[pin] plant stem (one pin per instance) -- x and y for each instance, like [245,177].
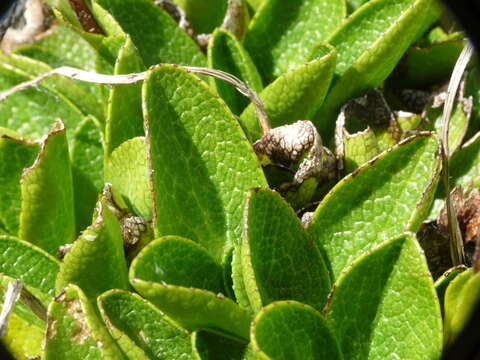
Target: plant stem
[456,243]
[86,76]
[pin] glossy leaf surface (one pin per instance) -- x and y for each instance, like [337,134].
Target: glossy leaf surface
[302,333]
[135,323]
[47,217]
[385,305]
[279,259]
[279,27]
[382,199]
[369,45]
[296,95]
[201,163]
[96,261]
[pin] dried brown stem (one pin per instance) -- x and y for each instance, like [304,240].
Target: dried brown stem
[11,296]
[456,245]
[82,75]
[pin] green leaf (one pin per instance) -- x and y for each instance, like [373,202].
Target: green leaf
[71,91]
[227,54]
[96,261]
[458,123]
[23,340]
[192,308]
[465,165]
[201,163]
[181,278]
[472,88]
[87,169]
[255,4]
[62,47]
[124,119]
[210,346]
[441,284]
[382,199]
[422,67]
[127,170]
[282,34]
[296,95]
[65,47]
[205,15]
[47,218]
[238,280]
[369,45]
[359,148]
[384,305]
[289,330]
[140,329]
[464,171]
[280,260]
[353,5]
[16,154]
[75,332]
[24,313]
[31,112]
[155,34]
[178,261]
[29,264]
[461,299]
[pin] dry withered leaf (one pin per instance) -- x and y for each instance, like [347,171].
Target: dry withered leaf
[298,142]
[367,113]
[467,208]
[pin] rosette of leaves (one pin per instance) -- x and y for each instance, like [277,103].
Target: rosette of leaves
[173,244]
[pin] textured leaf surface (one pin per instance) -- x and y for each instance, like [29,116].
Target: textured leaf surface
[87,169]
[280,260]
[381,200]
[238,280]
[74,330]
[384,306]
[178,261]
[29,264]
[369,44]
[15,155]
[210,346]
[282,34]
[226,53]
[47,218]
[193,308]
[127,170]
[71,91]
[300,333]
[31,112]
[167,43]
[125,119]
[296,95]
[359,148]
[96,262]
[202,164]
[63,47]
[461,299]
[22,339]
[135,323]
[204,15]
